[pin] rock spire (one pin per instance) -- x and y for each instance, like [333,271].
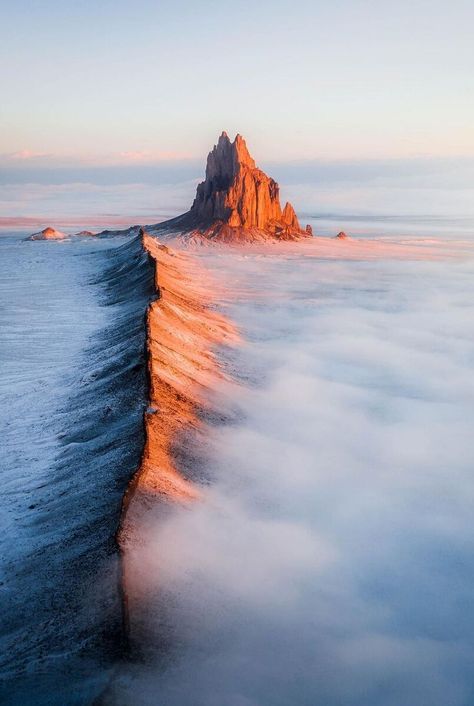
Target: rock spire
[238,201]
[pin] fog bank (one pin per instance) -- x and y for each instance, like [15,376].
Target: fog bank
[330,560]
[365,196]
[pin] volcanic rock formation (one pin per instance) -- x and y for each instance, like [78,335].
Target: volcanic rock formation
[237,201]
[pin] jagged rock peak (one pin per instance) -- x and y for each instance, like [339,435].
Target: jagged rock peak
[239,195]
[224,161]
[289,216]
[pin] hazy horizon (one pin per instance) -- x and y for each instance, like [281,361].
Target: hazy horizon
[403,193]
[354,107]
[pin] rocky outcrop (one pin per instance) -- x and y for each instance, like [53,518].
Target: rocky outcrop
[47,234]
[235,191]
[342,235]
[237,200]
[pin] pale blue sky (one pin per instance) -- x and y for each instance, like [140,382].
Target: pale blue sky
[102,80]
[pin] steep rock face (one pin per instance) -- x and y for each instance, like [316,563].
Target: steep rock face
[235,191]
[238,201]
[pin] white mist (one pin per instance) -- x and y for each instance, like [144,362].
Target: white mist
[330,561]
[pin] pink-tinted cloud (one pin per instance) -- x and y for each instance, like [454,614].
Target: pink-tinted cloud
[25,154]
[135,157]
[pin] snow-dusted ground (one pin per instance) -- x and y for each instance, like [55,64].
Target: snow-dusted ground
[72,392]
[331,560]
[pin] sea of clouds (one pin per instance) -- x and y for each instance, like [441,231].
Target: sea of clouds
[427,196]
[331,560]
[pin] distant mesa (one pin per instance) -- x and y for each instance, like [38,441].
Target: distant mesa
[237,201]
[47,234]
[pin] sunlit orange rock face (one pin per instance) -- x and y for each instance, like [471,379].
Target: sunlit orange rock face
[182,331]
[237,201]
[47,234]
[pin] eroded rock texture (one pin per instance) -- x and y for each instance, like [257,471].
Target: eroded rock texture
[237,201]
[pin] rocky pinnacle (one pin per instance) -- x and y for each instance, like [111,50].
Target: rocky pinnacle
[238,195]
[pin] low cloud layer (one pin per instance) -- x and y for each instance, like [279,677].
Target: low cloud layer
[365,196]
[78,205]
[331,559]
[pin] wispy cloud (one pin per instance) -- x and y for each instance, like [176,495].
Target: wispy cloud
[25,155]
[132,156]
